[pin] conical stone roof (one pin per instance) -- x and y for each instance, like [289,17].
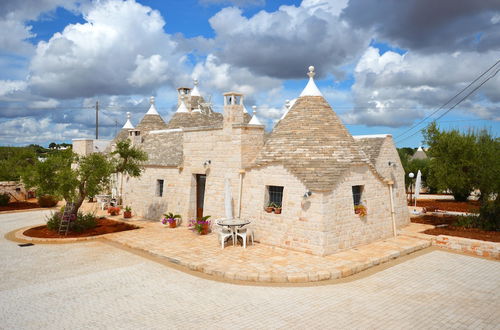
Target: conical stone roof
[313,144]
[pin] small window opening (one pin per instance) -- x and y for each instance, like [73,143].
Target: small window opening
[275,195]
[357,193]
[159,188]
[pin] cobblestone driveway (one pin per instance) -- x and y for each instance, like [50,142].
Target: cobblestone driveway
[94,285]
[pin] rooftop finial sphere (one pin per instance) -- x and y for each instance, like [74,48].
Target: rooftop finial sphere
[196,82]
[311,72]
[254,109]
[311,68]
[152,100]
[128,115]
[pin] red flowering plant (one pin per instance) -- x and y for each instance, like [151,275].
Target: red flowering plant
[201,225]
[114,210]
[360,210]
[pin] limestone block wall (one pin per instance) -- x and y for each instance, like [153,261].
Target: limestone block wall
[345,229]
[141,193]
[83,147]
[299,226]
[388,153]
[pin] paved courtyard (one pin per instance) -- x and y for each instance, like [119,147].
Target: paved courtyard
[96,285]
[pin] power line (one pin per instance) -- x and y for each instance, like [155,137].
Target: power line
[460,101]
[455,96]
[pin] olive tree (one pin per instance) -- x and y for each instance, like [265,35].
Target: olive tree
[128,160]
[66,175]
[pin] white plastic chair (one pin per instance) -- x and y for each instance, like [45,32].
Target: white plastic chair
[224,233]
[244,233]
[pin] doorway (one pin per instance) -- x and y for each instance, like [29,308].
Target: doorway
[200,194]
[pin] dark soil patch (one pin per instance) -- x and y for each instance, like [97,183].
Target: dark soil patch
[19,206]
[104,226]
[448,205]
[446,228]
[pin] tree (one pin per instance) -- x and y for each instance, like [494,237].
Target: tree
[52,145]
[13,160]
[66,175]
[129,161]
[453,160]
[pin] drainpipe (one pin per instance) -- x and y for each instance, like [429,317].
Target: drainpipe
[392,211]
[239,193]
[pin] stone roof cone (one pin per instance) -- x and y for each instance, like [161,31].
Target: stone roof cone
[255,120]
[128,124]
[311,142]
[152,119]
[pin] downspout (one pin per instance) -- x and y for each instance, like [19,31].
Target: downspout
[392,211]
[239,193]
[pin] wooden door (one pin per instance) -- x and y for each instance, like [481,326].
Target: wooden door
[200,194]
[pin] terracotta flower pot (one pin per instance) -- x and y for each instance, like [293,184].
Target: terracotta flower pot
[205,229]
[269,209]
[277,210]
[172,224]
[127,215]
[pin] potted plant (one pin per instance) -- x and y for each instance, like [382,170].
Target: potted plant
[277,208]
[360,210]
[171,219]
[128,212]
[201,225]
[113,210]
[269,208]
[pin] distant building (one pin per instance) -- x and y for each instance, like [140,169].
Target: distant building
[309,164]
[419,154]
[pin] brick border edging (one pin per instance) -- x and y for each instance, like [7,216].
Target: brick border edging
[19,234]
[281,278]
[467,245]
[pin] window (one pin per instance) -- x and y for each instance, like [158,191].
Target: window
[357,192]
[275,195]
[159,188]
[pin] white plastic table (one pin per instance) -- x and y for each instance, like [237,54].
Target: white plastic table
[232,223]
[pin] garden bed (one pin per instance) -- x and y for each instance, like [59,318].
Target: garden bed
[448,205]
[19,206]
[446,228]
[104,226]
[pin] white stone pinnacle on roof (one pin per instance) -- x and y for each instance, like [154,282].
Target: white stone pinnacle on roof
[128,124]
[288,105]
[244,108]
[182,107]
[311,88]
[195,91]
[152,109]
[254,120]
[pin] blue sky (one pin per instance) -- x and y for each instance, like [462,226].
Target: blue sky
[383,68]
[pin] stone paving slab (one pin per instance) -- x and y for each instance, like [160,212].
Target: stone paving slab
[258,262]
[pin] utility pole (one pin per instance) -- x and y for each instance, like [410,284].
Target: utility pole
[96,120]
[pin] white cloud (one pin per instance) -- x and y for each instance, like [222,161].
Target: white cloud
[11,86]
[122,49]
[224,77]
[240,3]
[282,44]
[393,89]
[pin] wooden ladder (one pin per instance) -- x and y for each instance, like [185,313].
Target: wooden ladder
[66,219]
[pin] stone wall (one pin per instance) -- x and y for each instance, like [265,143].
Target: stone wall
[466,245]
[345,229]
[299,226]
[388,153]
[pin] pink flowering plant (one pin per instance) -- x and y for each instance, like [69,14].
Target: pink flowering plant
[170,218]
[199,224]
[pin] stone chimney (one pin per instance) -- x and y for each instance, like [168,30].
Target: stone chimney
[135,137]
[233,109]
[184,94]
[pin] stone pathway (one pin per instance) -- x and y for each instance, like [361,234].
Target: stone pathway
[92,285]
[258,262]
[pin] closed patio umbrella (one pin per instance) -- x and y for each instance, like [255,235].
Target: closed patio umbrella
[418,186]
[228,205]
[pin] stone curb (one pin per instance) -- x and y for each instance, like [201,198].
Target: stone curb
[343,271]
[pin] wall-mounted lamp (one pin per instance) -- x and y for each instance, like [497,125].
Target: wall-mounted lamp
[307,194]
[393,164]
[207,162]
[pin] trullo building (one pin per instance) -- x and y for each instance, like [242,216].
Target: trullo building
[309,164]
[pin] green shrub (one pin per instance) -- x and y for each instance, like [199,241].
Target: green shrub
[83,222]
[489,214]
[47,201]
[4,199]
[467,221]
